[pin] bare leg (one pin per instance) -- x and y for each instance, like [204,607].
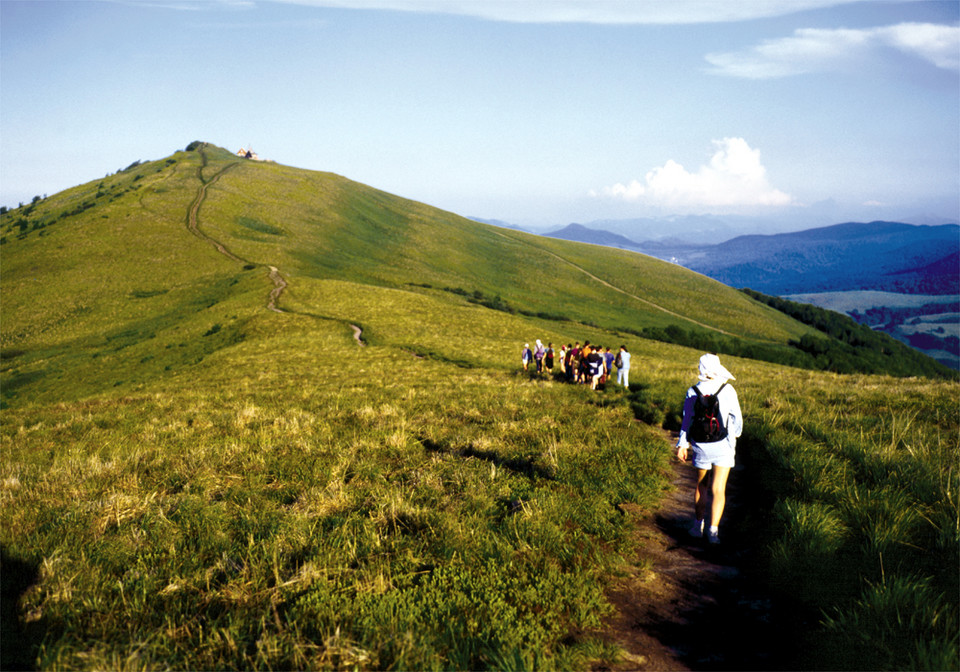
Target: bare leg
[719,492]
[700,494]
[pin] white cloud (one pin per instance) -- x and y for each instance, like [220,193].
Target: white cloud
[595,11]
[816,49]
[936,43]
[733,180]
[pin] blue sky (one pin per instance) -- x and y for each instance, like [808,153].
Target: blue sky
[536,113]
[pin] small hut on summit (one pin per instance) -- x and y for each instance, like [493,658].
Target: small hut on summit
[248,154]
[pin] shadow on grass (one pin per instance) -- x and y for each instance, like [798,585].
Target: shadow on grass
[18,641]
[732,621]
[652,409]
[525,466]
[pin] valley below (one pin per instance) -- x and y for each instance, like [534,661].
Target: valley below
[930,324]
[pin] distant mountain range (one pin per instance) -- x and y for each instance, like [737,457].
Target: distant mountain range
[894,258]
[190,230]
[581,234]
[885,256]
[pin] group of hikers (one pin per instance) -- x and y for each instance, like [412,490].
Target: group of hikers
[712,419]
[586,364]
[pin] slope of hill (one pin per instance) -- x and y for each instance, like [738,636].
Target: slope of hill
[144,277]
[138,275]
[207,467]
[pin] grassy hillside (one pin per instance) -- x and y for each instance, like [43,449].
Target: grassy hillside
[193,481]
[320,225]
[141,278]
[142,284]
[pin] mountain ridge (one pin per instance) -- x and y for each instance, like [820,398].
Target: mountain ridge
[841,257]
[580,233]
[202,247]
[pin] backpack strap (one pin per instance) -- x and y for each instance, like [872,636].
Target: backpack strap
[696,388]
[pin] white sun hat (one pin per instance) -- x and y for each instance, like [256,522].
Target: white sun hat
[711,368]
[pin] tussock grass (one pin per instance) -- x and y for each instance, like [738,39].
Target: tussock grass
[267,514]
[192,481]
[865,472]
[297,501]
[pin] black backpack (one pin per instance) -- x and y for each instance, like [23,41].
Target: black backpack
[707,425]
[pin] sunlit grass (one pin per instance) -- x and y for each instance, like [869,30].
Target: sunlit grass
[199,482]
[271,482]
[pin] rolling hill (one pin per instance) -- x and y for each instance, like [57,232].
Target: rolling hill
[114,269]
[882,256]
[874,256]
[261,417]
[159,265]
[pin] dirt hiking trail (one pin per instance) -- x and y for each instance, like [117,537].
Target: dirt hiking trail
[681,604]
[279,283]
[684,604]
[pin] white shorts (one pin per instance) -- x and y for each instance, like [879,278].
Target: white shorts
[718,453]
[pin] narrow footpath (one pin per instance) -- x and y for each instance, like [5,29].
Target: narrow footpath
[684,604]
[279,283]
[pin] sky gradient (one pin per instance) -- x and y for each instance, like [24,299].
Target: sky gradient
[803,112]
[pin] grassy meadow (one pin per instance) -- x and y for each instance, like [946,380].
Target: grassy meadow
[191,481]
[303,503]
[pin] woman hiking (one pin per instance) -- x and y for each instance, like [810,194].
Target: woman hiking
[712,421]
[526,356]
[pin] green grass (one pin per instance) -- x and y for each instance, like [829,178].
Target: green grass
[276,517]
[190,480]
[864,475]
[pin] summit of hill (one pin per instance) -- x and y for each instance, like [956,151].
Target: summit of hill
[154,268]
[256,416]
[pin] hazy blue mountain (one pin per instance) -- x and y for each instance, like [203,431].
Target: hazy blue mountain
[498,222]
[583,234]
[886,256]
[694,229]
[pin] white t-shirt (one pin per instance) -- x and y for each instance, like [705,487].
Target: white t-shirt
[729,410]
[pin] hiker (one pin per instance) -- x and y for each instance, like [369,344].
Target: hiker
[573,364]
[711,455]
[622,363]
[526,356]
[584,367]
[563,359]
[538,355]
[548,358]
[608,360]
[594,367]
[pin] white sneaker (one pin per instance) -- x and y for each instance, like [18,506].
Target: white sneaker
[713,537]
[696,530]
